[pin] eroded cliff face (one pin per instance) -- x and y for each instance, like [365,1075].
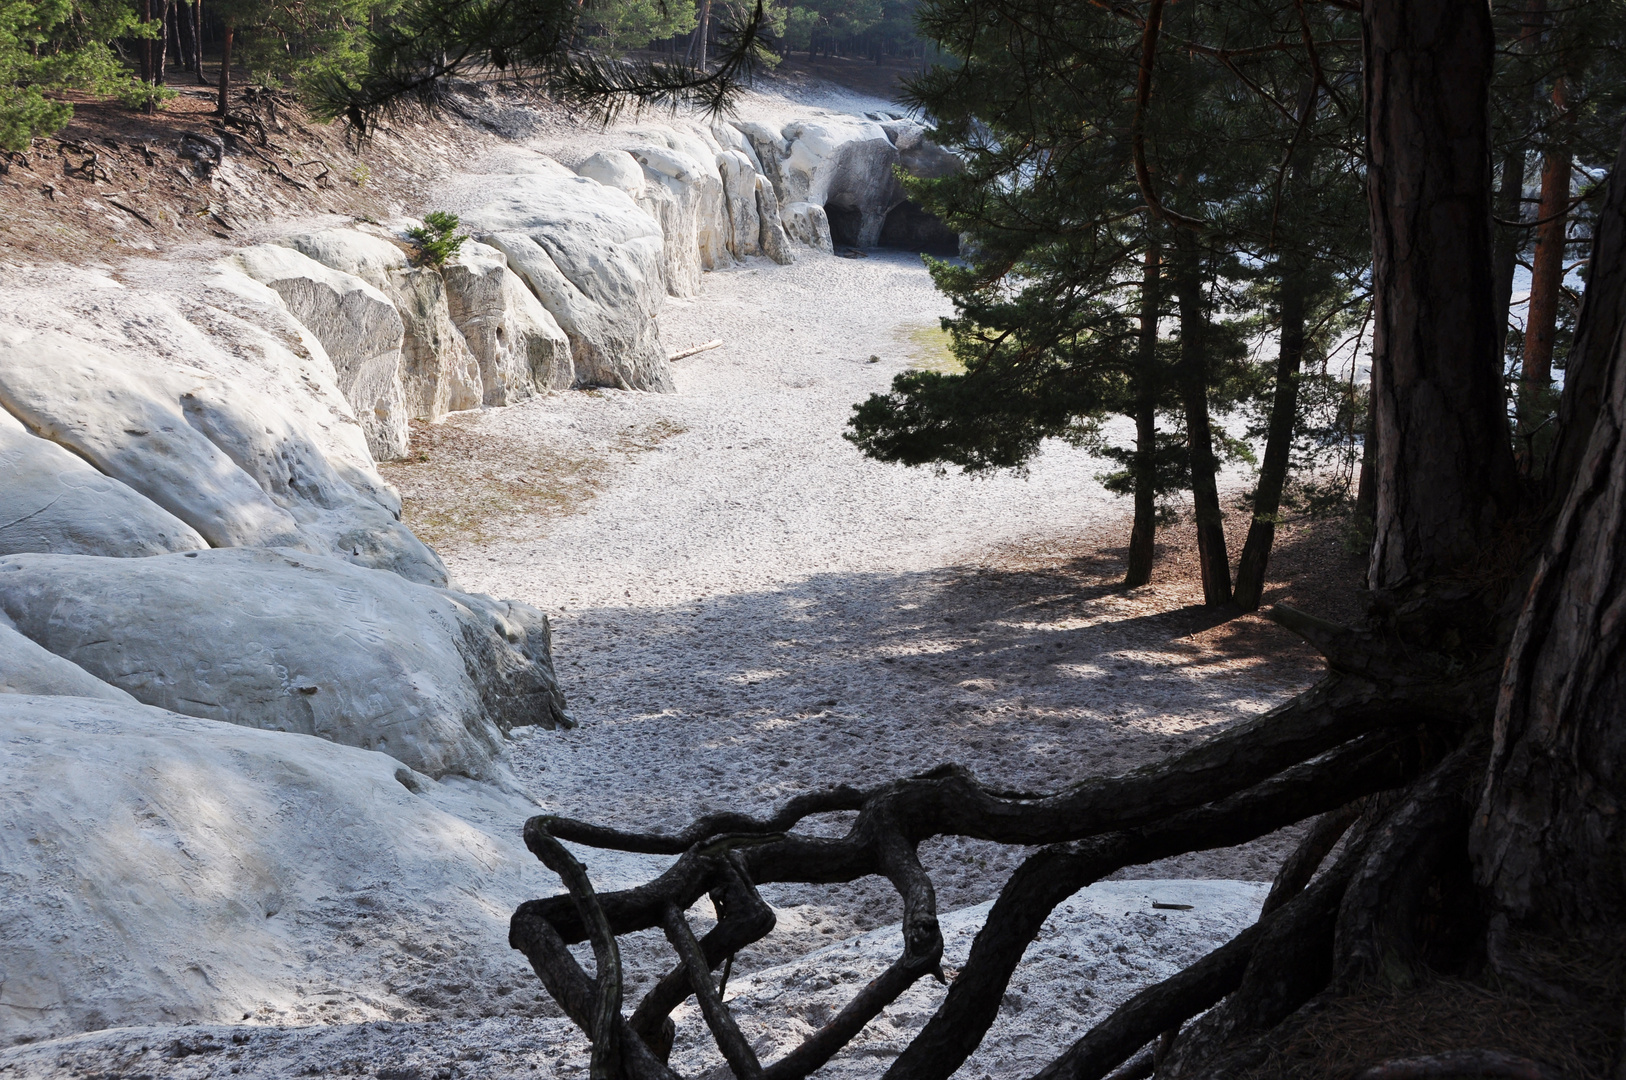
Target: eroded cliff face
[563,280]
[195,540]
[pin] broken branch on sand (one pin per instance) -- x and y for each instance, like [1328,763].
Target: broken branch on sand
[712,344]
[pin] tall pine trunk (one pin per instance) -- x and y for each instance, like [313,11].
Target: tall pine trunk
[1510,195]
[161,49]
[1444,467]
[1550,841]
[702,30]
[197,40]
[222,107]
[1509,207]
[184,42]
[145,50]
[1143,537]
[1366,486]
[1193,380]
[1284,408]
[1547,266]
[1546,287]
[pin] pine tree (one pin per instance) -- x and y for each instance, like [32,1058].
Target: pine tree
[1092,155]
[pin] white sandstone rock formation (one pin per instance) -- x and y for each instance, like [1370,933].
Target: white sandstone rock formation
[769,147]
[132,425]
[438,372]
[675,194]
[293,642]
[239,329]
[775,244]
[711,191]
[215,419]
[358,327]
[614,168]
[26,668]
[53,500]
[843,164]
[920,156]
[686,165]
[596,262]
[728,136]
[519,346]
[667,201]
[740,195]
[807,224]
[370,257]
[158,868]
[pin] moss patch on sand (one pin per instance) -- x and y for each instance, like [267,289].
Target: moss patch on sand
[927,348]
[459,489]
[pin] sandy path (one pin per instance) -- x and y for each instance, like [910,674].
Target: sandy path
[746,608]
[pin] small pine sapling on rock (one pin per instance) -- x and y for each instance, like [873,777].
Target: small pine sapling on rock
[436,239]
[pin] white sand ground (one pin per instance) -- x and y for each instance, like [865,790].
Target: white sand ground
[1099,948]
[746,608]
[751,608]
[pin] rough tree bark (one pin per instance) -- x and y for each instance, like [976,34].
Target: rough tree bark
[1143,536]
[1444,468]
[1548,841]
[1603,313]
[1193,380]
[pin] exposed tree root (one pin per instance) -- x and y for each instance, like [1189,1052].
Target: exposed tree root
[1380,924]
[1139,1068]
[1307,858]
[1383,729]
[1291,963]
[1461,1065]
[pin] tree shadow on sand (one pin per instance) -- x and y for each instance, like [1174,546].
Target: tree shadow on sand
[1032,675]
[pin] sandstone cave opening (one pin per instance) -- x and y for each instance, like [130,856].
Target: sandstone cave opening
[846,222]
[908,226]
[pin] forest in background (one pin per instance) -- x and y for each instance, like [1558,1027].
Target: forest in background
[111,47]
